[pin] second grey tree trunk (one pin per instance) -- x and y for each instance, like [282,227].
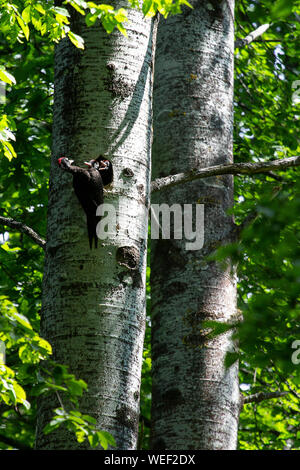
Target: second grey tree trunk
[195,402]
[94,300]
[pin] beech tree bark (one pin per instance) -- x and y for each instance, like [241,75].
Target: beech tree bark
[195,402]
[94,300]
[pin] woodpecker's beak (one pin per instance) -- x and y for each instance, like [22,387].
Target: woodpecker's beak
[89,164]
[64,158]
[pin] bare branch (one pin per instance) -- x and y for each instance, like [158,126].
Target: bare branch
[252,36]
[14,224]
[229,169]
[261,396]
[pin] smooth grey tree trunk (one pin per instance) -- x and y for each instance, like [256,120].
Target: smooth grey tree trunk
[94,300]
[195,402]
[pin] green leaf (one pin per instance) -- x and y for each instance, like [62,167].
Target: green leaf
[6,134]
[20,393]
[44,346]
[58,373]
[217,328]
[76,40]
[39,8]
[9,151]
[147,7]
[106,439]
[26,14]
[231,358]
[91,19]
[185,2]
[24,27]
[93,439]
[77,387]
[121,15]
[78,5]
[90,419]
[22,320]
[62,11]
[281,9]
[54,424]
[104,8]
[6,76]
[122,30]
[108,24]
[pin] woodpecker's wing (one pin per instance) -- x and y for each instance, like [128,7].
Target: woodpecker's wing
[88,188]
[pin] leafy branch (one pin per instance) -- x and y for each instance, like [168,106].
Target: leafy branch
[54,22]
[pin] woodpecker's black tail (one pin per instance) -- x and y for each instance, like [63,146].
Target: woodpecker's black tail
[92,222]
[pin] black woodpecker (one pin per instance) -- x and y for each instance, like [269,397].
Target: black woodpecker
[88,186]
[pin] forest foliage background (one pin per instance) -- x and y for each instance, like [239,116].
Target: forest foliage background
[267,111]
